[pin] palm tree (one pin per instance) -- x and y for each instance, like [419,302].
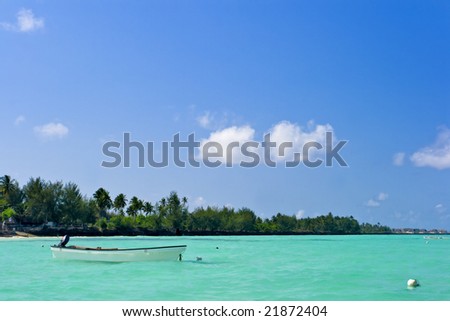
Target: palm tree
[148,208]
[160,213]
[103,200]
[135,206]
[120,202]
[11,195]
[7,186]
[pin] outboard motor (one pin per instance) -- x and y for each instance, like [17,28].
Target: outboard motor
[64,241]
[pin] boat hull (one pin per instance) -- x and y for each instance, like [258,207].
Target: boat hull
[164,253]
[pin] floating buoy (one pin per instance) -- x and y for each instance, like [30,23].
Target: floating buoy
[413,283]
[199,258]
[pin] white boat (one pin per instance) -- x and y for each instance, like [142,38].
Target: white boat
[159,253]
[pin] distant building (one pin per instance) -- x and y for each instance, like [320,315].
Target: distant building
[418,231]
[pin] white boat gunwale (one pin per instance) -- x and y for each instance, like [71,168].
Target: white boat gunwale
[83,248]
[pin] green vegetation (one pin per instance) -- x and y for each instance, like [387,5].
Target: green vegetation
[40,202]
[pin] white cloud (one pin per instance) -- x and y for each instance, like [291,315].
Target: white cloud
[435,156]
[216,120]
[205,120]
[51,130]
[6,26]
[399,159]
[300,214]
[382,196]
[286,131]
[224,139]
[440,208]
[372,203]
[19,120]
[376,201]
[288,138]
[26,22]
[199,201]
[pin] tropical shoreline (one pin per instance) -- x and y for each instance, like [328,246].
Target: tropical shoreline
[93,232]
[45,208]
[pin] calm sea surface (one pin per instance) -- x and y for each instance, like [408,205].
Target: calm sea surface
[234,268]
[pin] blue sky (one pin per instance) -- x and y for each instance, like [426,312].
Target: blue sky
[77,74]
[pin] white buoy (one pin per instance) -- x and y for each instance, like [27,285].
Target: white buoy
[413,283]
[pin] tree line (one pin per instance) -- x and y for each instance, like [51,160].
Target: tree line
[40,202]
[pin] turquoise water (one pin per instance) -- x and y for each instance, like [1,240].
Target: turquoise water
[234,268]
